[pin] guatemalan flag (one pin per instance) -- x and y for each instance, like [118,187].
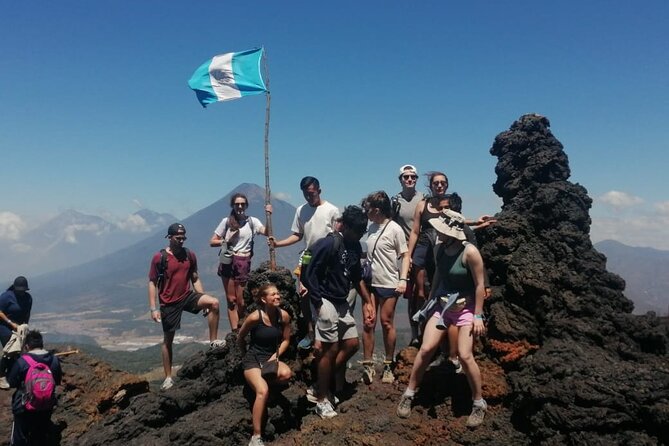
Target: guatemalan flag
[228,76]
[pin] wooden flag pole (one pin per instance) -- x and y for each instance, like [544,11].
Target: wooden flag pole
[268,192]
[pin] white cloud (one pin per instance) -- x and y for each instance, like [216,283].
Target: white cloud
[641,230]
[134,223]
[619,199]
[281,196]
[138,203]
[662,207]
[11,226]
[70,231]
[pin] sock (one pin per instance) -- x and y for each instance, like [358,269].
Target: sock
[408,392]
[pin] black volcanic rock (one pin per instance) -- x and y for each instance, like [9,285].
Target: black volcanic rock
[600,375]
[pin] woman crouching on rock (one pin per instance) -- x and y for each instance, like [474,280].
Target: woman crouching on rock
[270,336]
[459,287]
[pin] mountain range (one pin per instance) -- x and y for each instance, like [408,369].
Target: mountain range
[72,238]
[646,274]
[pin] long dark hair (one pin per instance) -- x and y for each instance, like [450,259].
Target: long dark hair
[233,220]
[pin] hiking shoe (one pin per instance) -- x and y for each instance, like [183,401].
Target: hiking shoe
[4,385]
[305,343]
[311,397]
[456,365]
[167,384]
[256,440]
[324,409]
[477,415]
[404,407]
[368,372]
[388,376]
[217,343]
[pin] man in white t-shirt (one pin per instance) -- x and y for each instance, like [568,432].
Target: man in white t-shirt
[313,220]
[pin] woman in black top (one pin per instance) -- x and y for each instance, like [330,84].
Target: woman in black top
[269,328]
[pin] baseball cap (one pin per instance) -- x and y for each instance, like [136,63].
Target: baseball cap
[175,228]
[21,284]
[408,168]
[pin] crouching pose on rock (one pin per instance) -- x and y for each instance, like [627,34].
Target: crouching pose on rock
[459,288]
[270,336]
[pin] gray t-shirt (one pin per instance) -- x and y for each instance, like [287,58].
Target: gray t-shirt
[407,208]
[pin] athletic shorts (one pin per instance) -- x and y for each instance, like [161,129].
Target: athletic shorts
[383,293]
[171,314]
[238,270]
[460,318]
[334,321]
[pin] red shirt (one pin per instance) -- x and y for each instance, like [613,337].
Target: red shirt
[177,283]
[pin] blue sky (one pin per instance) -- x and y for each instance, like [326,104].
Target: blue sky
[96,114]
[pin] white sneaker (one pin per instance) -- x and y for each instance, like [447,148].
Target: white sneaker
[388,377]
[311,397]
[256,440]
[368,372]
[325,410]
[217,343]
[167,384]
[4,385]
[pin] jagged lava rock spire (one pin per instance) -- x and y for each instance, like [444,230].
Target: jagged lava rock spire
[597,369]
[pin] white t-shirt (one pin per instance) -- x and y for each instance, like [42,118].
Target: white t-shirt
[240,241]
[314,223]
[391,245]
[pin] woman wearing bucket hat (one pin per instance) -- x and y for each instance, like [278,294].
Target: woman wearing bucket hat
[15,306]
[234,235]
[459,287]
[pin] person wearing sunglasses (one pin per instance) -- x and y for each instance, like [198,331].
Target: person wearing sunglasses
[174,280]
[421,242]
[234,235]
[403,210]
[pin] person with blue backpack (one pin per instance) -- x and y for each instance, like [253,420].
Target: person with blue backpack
[35,375]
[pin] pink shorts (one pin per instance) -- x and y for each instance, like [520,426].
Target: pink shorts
[460,318]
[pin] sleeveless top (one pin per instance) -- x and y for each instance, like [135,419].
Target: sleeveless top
[265,338]
[455,276]
[427,233]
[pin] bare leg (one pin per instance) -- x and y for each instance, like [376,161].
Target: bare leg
[388,326]
[452,347]
[431,339]
[231,297]
[347,348]
[465,346]
[241,306]
[210,303]
[166,352]
[326,364]
[260,387]
[368,336]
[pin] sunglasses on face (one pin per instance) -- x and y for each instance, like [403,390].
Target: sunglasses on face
[439,183]
[409,177]
[240,204]
[180,238]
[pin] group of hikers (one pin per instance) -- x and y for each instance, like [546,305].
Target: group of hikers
[418,247]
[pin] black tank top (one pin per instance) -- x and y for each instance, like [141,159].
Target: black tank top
[265,338]
[426,215]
